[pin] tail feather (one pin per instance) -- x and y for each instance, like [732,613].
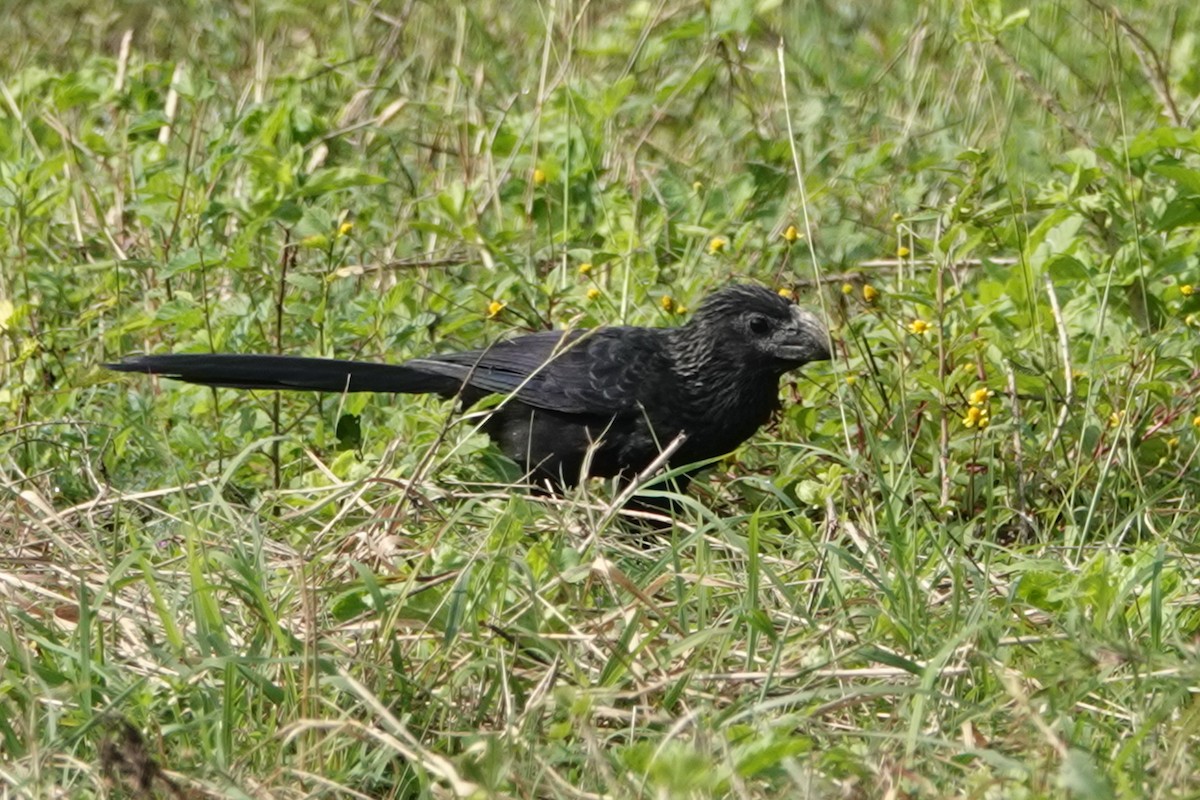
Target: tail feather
[290,372]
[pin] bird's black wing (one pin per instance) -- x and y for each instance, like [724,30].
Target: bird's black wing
[603,371]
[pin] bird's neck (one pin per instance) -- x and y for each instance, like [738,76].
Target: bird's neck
[722,395]
[712,369]
[699,355]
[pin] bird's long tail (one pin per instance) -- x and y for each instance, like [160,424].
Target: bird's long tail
[290,372]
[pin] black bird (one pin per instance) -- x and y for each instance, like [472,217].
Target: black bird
[599,402]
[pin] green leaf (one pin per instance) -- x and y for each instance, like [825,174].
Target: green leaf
[1013,20]
[1067,269]
[337,179]
[872,653]
[349,432]
[1179,212]
[1080,776]
[1184,177]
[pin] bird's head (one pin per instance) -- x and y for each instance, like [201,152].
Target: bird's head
[761,327]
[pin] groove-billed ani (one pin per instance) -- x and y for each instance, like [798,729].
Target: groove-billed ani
[607,399]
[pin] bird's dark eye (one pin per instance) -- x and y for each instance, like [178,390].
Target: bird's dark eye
[759,324]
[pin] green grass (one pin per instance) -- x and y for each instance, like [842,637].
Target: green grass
[247,595]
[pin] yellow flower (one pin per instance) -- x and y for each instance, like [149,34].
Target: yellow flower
[851,380]
[1114,419]
[697,186]
[593,293]
[539,176]
[918,326]
[896,217]
[980,397]
[1196,421]
[1173,442]
[345,228]
[847,288]
[585,268]
[668,303]
[494,309]
[870,293]
[787,294]
[1187,290]
[976,418]
[902,251]
[791,234]
[716,245]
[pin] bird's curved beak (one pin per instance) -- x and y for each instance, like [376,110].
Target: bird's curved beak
[805,339]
